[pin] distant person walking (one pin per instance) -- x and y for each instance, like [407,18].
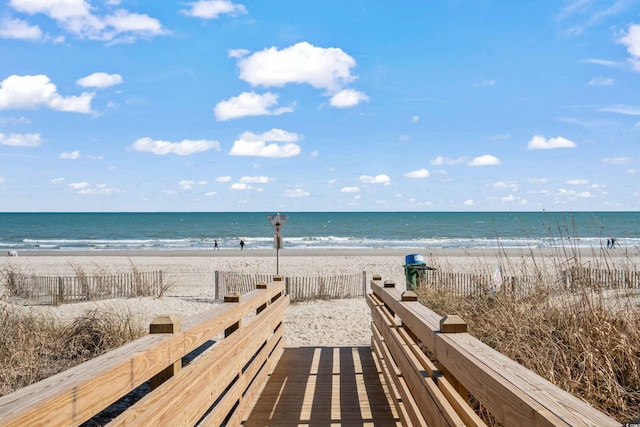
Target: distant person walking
[613,243]
[215,245]
[241,244]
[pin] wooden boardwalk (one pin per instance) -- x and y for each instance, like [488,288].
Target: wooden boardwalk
[324,386]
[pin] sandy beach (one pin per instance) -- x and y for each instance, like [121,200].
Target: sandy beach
[192,273]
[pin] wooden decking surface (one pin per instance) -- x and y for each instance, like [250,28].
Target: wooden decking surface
[324,386]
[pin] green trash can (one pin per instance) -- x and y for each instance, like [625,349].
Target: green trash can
[414,267]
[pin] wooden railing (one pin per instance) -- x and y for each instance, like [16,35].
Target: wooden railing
[237,343]
[438,389]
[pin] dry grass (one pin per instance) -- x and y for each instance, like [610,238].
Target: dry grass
[36,346]
[585,340]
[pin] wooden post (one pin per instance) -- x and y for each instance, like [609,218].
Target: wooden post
[232,297]
[389,284]
[409,296]
[452,324]
[165,325]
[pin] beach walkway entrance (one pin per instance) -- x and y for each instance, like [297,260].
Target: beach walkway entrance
[324,386]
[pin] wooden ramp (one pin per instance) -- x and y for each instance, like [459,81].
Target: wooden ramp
[324,386]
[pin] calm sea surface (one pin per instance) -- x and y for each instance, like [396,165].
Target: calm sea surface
[353,230]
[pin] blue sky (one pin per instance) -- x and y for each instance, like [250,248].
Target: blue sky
[329,105]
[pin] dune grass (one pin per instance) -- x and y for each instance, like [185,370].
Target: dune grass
[34,346]
[583,339]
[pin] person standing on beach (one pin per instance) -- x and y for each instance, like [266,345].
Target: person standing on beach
[241,244]
[215,245]
[613,243]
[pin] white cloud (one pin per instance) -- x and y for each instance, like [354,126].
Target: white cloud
[78,185]
[249,104]
[72,155]
[468,202]
[240,186]
[541,143]
[182,148]
[439,161]
[632,41]
[616,160]
[19,29]
[577,182]
[350,189]
[378,179]
[98,189]
[30,92]
[322,68]
[100,80]
[486,160]
[212,9]
[77,18]
[538,180]
[628,110]
[223,179]
[420,173]
[347,98]
[20,139]
[266,144]
[255,179]
[298,192]
[513,186]
[600,81]
[415,119]
[186,184]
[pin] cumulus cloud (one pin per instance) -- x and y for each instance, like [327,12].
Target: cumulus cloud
[541,143]
[212,9]
[240,186]
[86,188]
[440,161]
[631,39]
[577,182]
[20,139]
[183,148]
[223,179]
[322,68]
[31,92]
[100,80]
[350,189]
[255,179]
[417,174]
[513,186]
[600,81]
[486,160]
[249,104]
[19,30]
[347,98]
[378,179]
[276,143]
[71,155]
[78,18]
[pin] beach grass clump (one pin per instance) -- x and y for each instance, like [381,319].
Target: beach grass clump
[35,345]
[584,340]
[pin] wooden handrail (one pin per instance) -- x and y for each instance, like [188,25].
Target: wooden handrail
[512,394]
[227,373]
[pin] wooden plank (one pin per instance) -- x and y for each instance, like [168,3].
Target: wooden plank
[186,397]
[433,406]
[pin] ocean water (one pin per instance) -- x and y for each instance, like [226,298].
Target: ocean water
[315,230]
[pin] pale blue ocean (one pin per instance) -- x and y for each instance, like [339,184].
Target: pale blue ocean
[315,230]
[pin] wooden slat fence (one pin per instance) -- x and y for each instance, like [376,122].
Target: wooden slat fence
[52,290]
[467,284]
[298,288]
[602,279]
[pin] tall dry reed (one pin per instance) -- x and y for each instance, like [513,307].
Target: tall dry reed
[585,340]
[34,346]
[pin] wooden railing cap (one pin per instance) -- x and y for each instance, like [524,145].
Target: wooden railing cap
[409,296]
[232,297]
[452,324]
[389,284]
[164,324]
